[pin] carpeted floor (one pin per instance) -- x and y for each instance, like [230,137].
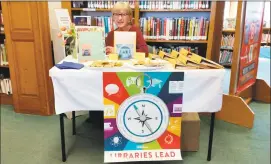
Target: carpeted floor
[27,139]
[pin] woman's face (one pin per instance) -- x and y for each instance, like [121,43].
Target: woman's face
[121,18]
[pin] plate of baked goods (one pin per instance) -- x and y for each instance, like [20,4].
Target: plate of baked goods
[146,64]
[102,64]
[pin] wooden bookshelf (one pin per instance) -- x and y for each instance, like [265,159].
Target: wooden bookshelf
[6,99]
[267,29]
[229,30]
[175,10]
[215,19]
[176,41]
[4,66]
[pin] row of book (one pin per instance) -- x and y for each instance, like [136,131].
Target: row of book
[5,86]
[181,4]
[225,57]
[174,28]
[3,55]
[265,38]
[101,4]
[169,49]
[227,42]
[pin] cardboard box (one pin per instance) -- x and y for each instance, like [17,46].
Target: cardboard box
[190,132]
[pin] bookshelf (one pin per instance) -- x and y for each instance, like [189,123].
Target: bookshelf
[5,82]
[207,46]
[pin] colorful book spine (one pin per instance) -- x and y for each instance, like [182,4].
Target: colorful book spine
[225,57]
[100,4]
[175,5]
[227,42]
[174,28]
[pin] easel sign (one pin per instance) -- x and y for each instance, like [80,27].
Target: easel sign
[244,85]
[251,43]
[63,18]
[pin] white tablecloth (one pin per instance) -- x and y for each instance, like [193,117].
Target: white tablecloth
[81,90]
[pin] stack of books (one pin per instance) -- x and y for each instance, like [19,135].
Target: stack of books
[5,86]
[227,42]
[225,57]
[3,55]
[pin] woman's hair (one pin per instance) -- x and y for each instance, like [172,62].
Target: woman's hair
[122,6]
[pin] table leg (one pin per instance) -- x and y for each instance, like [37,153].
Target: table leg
[73,123]
[62,133]
[211,137]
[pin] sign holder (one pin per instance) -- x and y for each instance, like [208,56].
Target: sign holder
[235,107]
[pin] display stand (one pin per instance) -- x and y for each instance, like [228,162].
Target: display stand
[60,18]
[235,107]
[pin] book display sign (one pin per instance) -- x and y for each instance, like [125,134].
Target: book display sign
[91,43]
[142,116]
[251,44]
[125,44]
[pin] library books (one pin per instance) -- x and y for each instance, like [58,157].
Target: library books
[6,87]
[181,4]
[265,38]
[227,42]
[3,55]
[174,28]
[156,49]
[225,57]
[82,20]
[101,4]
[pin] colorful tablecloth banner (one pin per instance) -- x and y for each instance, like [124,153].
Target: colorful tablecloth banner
[142,116]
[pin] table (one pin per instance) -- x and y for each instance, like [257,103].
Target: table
[79,90]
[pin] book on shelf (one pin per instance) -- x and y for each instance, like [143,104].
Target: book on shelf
[101,4]
[174,28]
[82,20]
[229,23]
[265,38]
[225,57]
[3,55]
[182,4]
[156,49]
[227,42]
[6,87]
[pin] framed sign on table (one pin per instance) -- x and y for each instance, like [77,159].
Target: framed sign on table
[142,116]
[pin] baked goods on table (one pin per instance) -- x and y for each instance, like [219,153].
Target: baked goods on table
[106,64]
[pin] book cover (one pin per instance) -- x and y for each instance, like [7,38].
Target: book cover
[91,43]
[125,44]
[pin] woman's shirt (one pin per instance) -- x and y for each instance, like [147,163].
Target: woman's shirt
[141,45]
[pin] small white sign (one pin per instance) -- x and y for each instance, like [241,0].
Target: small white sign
[175,87]
[177,108]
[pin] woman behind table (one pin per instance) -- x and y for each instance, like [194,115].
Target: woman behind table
[122,17]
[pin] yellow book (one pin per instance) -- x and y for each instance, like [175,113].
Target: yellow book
[139,56]
[161,54]
[174,54]
[113,57]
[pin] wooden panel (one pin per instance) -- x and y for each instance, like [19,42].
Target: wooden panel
[215,31]
[26,67]
[30,58]
[235,110]
[262,91]
[19,14]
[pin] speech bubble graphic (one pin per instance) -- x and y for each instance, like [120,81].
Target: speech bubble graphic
[111,89]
